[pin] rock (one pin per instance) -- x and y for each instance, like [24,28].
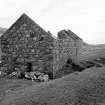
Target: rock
[43,78]
[27,75]
[2,74]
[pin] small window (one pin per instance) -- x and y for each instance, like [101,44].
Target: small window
[41,38]
[69,61]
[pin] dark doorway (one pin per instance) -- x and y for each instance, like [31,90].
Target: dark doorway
[29,67]
[50,74]
[71,65]
[69,61]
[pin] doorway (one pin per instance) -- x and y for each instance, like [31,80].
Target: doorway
[29,67]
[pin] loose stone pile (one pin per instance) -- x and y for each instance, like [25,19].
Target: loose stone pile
[34,76]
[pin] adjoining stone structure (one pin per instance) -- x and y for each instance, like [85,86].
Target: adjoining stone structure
[66,47]
[27,47]
[72,54]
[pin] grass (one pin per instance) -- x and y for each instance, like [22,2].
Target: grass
[8,86]
[85,88]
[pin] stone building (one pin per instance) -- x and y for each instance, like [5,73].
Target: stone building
[27,47]
[71,54]
[66,50]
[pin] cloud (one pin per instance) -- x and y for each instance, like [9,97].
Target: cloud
[84,17]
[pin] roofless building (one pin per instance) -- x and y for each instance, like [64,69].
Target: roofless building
[27,47]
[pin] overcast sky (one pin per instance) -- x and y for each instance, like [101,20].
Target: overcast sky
[86,18]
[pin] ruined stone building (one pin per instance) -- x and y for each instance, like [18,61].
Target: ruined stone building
[66,48]
[27,47]
[26,44]
[71,54]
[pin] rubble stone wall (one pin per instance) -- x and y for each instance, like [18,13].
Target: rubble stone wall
[26,42]
[70,46]
[66,46]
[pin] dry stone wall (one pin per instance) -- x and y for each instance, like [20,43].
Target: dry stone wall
[26,46]
[25,43]
[66,47]
[69,46]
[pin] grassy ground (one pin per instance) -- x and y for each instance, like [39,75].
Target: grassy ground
[85,88]
[8,86]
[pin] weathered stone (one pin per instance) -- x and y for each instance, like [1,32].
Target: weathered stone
[26,42]
[65,47]
[27,47]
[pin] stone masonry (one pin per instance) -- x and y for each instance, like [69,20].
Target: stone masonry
[70,48]
[27,47]
[66,47]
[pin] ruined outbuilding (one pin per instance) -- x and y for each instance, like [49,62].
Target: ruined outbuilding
[66,50]
[72,54]
[27,47]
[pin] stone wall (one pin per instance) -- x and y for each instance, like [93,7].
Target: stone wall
[26,43]
[66,47]
[69,46]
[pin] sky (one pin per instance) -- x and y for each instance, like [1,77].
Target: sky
[86,18]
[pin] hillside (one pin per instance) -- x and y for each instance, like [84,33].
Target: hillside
[79,66]
[2,30]
[85,88]
[91,54]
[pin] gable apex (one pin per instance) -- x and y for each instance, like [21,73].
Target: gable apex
[22,24]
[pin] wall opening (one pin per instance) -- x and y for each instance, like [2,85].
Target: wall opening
[29,67]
